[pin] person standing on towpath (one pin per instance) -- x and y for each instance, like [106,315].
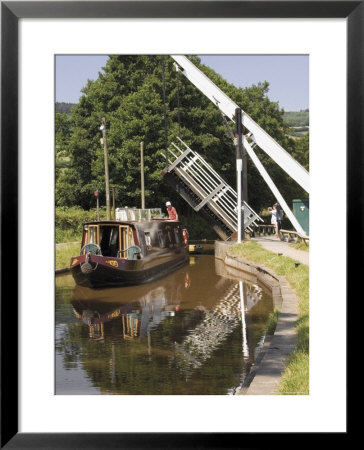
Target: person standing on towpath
[273,220]
[279,216]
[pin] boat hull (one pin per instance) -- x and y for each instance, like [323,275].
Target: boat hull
[101,272]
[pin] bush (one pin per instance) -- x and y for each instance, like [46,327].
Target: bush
[69,222]
[197,228]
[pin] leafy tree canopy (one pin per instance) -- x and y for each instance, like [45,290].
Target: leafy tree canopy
[129,95]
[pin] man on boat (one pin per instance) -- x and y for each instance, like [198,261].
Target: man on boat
[172,213]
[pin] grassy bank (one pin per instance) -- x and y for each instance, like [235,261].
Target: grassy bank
[64,253]
[300,246]
[69,222]
[295,380]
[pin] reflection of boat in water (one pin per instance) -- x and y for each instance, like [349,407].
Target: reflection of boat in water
[133,317]
[142,307]
[137,248]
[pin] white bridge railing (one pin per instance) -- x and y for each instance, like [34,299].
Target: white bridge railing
[207,185]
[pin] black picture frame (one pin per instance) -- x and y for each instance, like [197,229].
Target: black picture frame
[11,12]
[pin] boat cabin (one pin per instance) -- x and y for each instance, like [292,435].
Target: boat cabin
[131,239]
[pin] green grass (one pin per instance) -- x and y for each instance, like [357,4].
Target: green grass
[295,380]
[272,321]
[67,236]
[64,254]
[300,246]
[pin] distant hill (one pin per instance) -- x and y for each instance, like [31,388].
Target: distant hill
[297,118]
[298,121]
[64,108]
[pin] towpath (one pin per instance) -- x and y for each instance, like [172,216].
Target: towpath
[275,245]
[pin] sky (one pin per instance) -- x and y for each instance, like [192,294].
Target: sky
[288,75]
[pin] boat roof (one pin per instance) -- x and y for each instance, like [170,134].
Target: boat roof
[130,222]
[134,216]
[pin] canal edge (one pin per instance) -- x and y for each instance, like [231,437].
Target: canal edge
[273,357]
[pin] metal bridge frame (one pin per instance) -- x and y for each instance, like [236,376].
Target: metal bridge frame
[208,186]
[257,135]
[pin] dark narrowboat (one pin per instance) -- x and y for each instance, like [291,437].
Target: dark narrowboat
[137,247]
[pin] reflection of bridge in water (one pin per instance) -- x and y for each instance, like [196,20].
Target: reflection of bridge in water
[216,325]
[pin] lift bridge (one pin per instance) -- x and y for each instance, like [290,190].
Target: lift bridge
[205,191]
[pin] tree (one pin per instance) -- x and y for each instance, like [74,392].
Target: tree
[129,94]
[301,151]
[63,130]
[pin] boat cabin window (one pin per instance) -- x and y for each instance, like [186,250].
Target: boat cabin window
[93,237]
[169,238]
[176,235]
[161,239]
[148,240]
[113,240]
[109,240]
[126,240]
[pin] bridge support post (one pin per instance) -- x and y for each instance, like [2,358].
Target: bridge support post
[239,169]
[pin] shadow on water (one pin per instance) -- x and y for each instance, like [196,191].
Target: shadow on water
[185,334]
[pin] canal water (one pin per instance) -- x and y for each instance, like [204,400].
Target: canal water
[194,332]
